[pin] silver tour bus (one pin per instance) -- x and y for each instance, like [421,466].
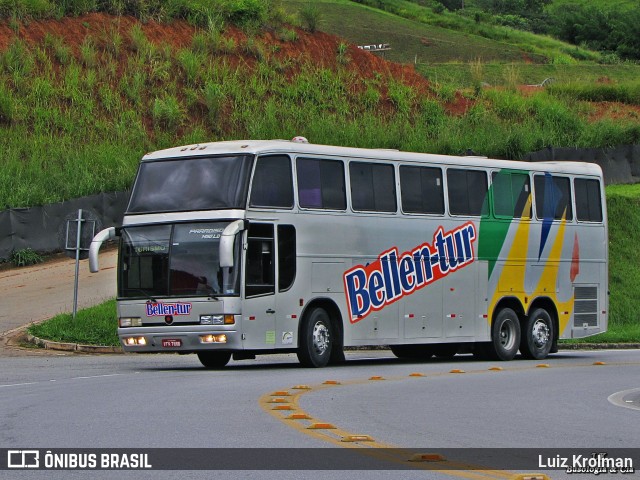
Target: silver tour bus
[251,247]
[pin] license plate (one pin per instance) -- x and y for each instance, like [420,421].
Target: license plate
[171,342]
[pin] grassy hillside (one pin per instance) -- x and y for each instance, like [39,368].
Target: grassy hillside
[410,39]
[83,98]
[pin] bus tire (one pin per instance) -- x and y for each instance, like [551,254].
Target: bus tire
[214,360]
[412,352]
[316,339]
[538,335]
[505,336]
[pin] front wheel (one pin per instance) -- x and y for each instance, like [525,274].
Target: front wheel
[214,360]
[316,339]
[505,336]
[538,336]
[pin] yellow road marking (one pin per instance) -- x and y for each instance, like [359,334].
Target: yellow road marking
[301,421]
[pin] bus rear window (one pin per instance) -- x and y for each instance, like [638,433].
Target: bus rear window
[588,200]
[188,184]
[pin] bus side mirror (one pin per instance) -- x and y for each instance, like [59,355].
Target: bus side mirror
[227,240]
[96,243]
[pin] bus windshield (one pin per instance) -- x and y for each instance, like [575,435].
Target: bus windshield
[206,183]
[176,260]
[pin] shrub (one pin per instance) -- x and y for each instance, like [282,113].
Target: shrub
[17,59]
[310,15]
[167,113]
[191,64]
[26,257]
[88,53]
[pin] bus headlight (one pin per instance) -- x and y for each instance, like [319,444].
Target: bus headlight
[134,341]
[220,338]
[130,322]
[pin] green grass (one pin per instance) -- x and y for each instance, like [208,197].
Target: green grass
[410,39]
[251,13]
[92,326]
[625,333]
[462,76]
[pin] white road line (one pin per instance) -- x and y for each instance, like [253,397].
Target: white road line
[61,379]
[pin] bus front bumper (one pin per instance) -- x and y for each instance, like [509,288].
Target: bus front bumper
[178,339]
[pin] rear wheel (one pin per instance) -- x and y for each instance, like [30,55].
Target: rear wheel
[505,336]
[316,339]
[213,360]
[537,338]
[412,352]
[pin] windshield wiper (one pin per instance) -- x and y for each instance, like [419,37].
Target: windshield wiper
[144,293]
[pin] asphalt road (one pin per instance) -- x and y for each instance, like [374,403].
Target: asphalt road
[53,400]
[169,401]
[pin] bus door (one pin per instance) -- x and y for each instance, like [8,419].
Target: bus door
[259,306]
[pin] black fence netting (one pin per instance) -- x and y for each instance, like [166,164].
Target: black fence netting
[44,229]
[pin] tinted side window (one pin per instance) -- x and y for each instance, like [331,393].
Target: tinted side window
[286,256]
[588,206]
[259,266]
[467,190]
[321,184]
[553,197]
[373,187]
[421,190]
[510,193]
[272,182]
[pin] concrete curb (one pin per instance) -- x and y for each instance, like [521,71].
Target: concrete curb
[71,347]
[598,346]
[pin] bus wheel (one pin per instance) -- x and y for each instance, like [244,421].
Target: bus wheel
[315,339]
[505,336]
[214,359]
[412,352]
[537,338]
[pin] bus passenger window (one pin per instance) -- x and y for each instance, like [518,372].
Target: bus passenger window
[260,256]
[421,190]
[272,184]
[553,197]
[588,200]
[467,191]
[511,191]
[321,184]
[373,187]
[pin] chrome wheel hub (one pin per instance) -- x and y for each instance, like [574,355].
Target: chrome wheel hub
[540,333]
[320,338]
